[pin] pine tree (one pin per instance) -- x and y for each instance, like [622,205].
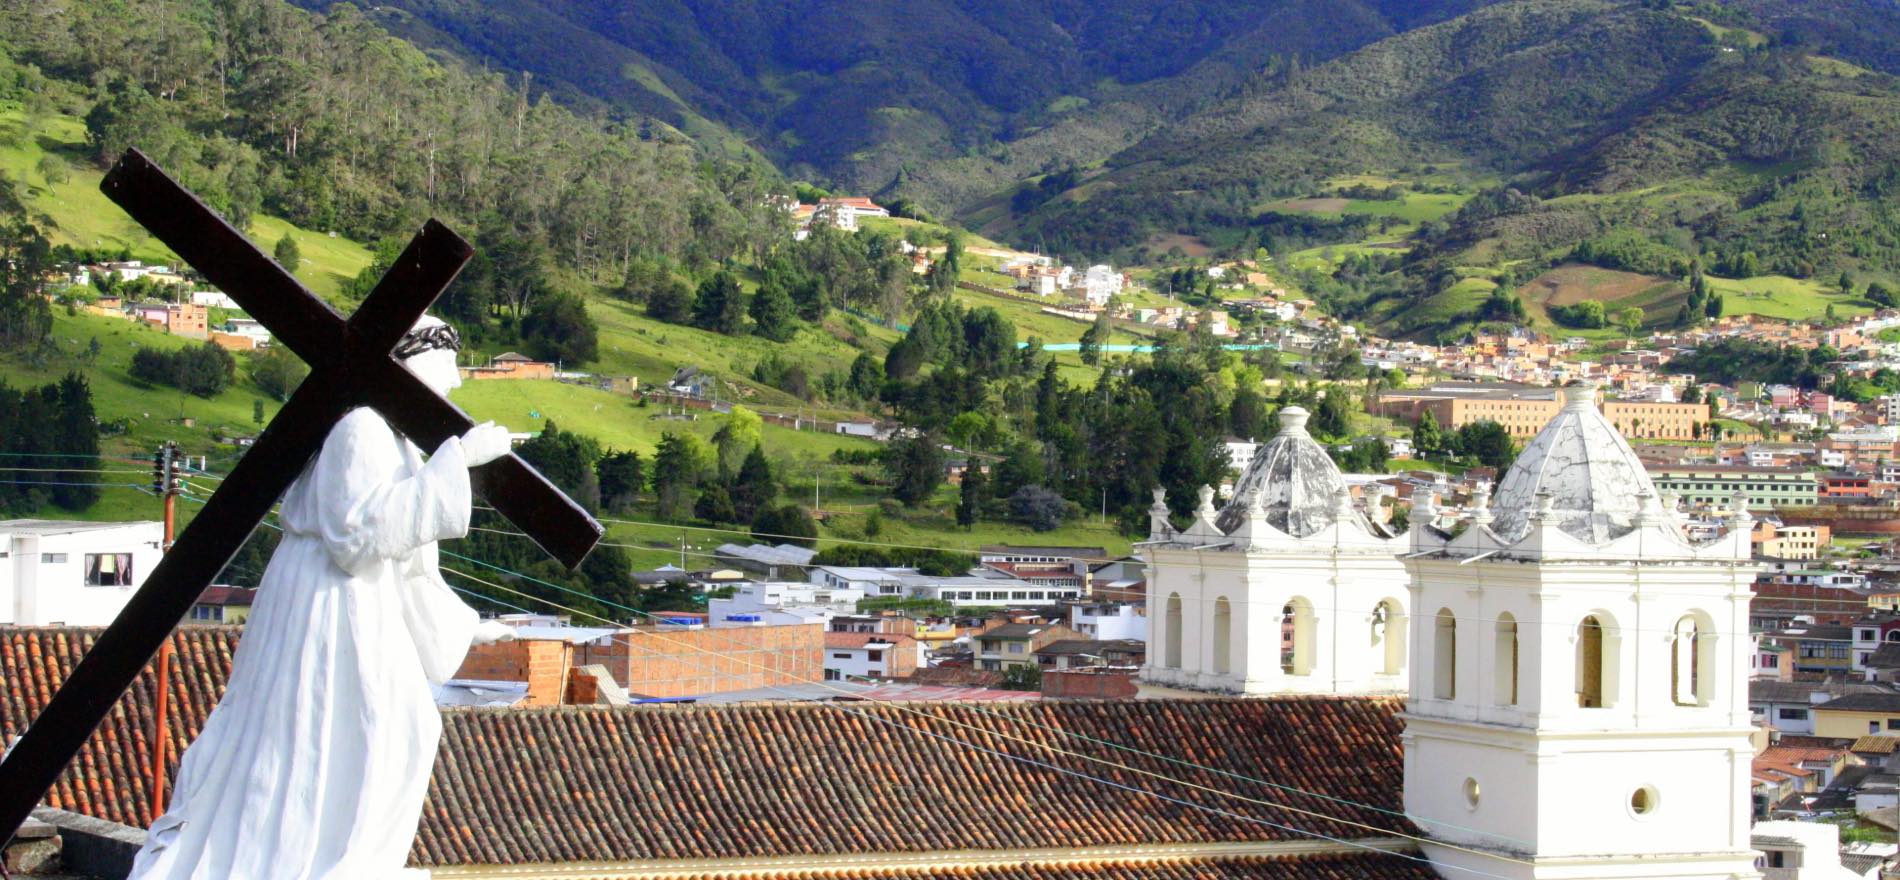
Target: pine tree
[755,487]
[772,313]
[76,439]
[970,497]
[288,254]
[719,305]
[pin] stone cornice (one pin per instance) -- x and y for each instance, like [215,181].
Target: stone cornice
[821,866]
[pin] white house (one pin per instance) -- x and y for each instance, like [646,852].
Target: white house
[213,299]
[249,329]
[783,602]
[1579,688]
[1800,851]
[1289,589]
[1099,283]
[62,573]
[856,656]
[1110,621]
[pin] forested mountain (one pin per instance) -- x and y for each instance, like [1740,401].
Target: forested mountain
[944,101]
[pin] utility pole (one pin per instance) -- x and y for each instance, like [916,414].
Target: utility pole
[165,483]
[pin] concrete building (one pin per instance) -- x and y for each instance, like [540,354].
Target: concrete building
[1524,409]
[1577,677]
[66,573]
[1764,487]
[856,656]
[1015,644]
[1109,620]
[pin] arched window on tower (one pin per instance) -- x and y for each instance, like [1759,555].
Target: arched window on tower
[1504,660]
[1445,656]
[1388,636]
[1223,636]
[1171,632]
[1691,661]
[1296,637]
[1591,664]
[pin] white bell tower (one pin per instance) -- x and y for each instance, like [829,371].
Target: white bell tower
[1289,589]
[1579,700]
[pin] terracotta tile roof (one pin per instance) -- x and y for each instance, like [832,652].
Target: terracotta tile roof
[516,786]
[671,782]
[1876,745]
[108,778]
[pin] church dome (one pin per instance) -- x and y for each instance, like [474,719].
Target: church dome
[1595,482]
[1300,481]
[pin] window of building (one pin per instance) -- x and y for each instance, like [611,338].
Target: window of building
[1388,633]
[1893,724]
[203,612]
[840,656]
[833,674]
[1445,656]
[1296,637]
[1792,714]
[1015,647]
[1691,672]
[1505,660]
[1590,664]
[107,569]
[1171,631]
[874,656]
[52,559]
[1223,636]
[1865,635]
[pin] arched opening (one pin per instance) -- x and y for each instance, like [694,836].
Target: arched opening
[1223,636]
[1691,660]
[1388,636]
[1592,664]
[1504,660]
[1445,656]
[1171,632]
[1296,637]
[1893,636]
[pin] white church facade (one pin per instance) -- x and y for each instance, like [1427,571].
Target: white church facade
[1289,589]
[1576,666]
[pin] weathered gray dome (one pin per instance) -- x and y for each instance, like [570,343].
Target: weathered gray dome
[1300,483]
[1596,483]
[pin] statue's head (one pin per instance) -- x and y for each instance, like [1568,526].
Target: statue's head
[428,350]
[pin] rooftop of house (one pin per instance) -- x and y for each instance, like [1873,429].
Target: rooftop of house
[844,640]
[61,526]
[1015,632]
[817,779]
[1874,702]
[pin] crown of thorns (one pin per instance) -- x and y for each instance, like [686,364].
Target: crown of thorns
[416,342]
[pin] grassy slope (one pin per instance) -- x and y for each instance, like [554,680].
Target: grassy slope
[83,217]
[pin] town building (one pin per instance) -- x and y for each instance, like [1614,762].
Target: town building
[1763,487]
[1109,620]
[857,656]
[1578,676]
[1066,567]
[1523,410]
[510,365]
[223,605]
[1015,644]
[68,573]
[1288,589]
[190,321]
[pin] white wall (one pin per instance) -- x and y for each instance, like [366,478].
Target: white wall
[38,589]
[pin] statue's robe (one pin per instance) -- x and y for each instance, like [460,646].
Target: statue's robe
[316,761]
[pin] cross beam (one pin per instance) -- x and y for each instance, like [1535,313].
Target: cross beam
[351,366]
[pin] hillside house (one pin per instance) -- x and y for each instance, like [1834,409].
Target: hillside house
[510,365]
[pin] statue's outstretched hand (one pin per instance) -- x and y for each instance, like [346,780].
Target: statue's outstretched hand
[490,631]
[484,443]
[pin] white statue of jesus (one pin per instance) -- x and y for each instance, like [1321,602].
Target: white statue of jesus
[315,763]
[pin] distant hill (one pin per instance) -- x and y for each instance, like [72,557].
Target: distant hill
[944,101]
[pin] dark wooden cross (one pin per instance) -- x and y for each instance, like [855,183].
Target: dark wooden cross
[350,366]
